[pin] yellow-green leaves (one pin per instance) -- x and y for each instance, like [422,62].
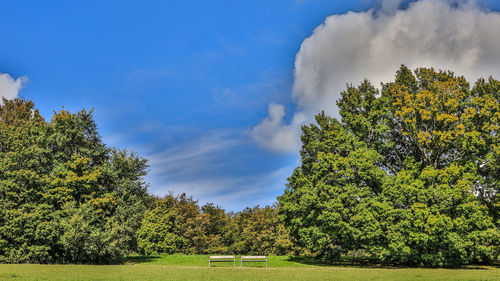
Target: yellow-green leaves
[410,174]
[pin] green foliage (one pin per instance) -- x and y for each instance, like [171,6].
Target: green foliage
[64,195]
[258,231]
[206,231]
[159,232]
[179,225]
[410,175]
[87,236]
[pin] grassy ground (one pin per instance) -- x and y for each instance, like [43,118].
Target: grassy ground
[202,260]
[182,267]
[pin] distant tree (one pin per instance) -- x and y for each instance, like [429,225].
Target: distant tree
[165,226]
[179,225]
[258,231]
[409,175]
[158,232]
[206,231]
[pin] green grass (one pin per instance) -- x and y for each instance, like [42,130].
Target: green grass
[195,267]
[202,260]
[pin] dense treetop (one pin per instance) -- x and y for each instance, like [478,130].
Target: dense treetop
[409,174]
[64,195]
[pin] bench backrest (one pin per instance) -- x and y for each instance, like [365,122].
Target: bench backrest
[221,257]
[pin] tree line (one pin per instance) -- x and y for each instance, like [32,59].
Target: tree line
[180,225]
[66,197]
[410,174]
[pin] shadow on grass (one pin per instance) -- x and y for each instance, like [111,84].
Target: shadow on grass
[141,259]
[344,261]
[367,262]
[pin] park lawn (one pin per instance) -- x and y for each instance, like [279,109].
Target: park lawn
[195,267]
[202,260]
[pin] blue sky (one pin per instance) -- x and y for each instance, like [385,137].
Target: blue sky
[185,83]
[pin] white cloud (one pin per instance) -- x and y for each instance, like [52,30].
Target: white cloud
[10,87]
[272,132]
[454,35]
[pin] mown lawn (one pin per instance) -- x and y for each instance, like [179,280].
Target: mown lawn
[202,260]
[183,267]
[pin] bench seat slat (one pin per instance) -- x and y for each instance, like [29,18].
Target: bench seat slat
[212,259]
[253,259]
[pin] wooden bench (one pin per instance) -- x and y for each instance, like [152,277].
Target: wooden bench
[253,259]
[221,259]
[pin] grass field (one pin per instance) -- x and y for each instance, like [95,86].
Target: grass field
[182,267]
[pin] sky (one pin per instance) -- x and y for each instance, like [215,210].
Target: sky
[213,93]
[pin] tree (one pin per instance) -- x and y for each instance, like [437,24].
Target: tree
[158,232]
[258,231]
[409,175]
[166,224]
[64,195]
[206,231]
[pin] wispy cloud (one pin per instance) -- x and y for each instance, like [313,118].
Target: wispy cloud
[190,159]
[10,87]
[231,192]
[212,168]
[272,83]
[460,36]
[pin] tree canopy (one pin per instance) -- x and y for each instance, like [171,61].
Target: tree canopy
[410,174]
[64,195]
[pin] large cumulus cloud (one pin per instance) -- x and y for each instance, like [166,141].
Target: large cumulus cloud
[461,36]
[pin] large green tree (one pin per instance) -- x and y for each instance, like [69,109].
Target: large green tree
[409,174]
[64,195]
